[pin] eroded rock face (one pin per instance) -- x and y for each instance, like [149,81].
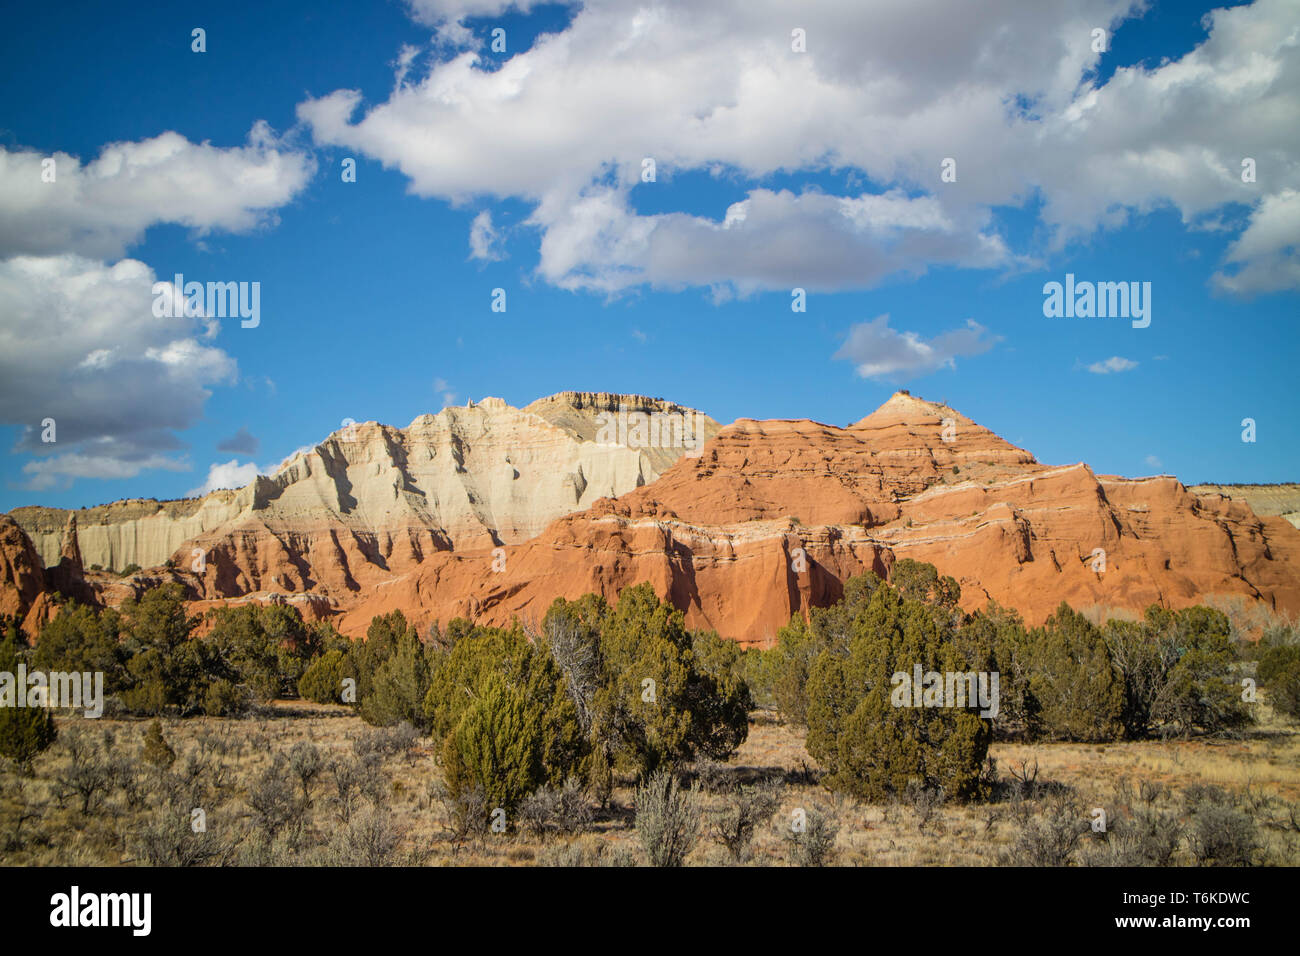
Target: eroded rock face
[1282,500]
[22,579]
[492,512]
[725,535]
[372,501]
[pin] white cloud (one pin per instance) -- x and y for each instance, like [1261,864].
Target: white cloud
[229,474]
[100,208]
[483,239]
[62,470]
[1115,363]
[435,12]
[1004,88]
[79,343]
[769,240]
[1264,256]
[880,352]
[1154,462]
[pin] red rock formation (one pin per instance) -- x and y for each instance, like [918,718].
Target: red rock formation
[718,534]
[22,579]
[768,522]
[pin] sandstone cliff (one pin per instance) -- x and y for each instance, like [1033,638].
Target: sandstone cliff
[1281,500]
[492,512]
[466,477]
[774,515]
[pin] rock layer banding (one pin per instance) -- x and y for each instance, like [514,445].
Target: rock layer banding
[481,513]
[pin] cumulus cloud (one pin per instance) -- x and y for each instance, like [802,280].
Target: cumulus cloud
[80,344]
[1263,258]
[79,340]
[229,474]
[1115,363]
[483,238]
[883,353]
[242,442]
[769,240]
[1006,89]
[100,208]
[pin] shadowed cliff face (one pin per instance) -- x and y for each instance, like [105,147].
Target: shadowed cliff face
[491,512]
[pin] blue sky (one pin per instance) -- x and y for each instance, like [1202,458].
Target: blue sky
[521,170]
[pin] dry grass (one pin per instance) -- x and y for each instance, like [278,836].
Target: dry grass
[41,822]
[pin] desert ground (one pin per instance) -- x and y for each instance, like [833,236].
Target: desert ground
[96,799]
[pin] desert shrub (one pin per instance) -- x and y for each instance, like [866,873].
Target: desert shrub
[667,819]
[1143,659]
[1202,693]
[1279,672]
[653,702]
[862,724]
[812,841]
[1080,695]
[355,780]
[83,639]
[166,837]
[87,773]
[370,838]
[223,698]
[551,809]
[800,642]
[499,706]
[746,810]
[272,801]
[1223,836]
[919,581]
[306,763]
[1148,838]
[1284,691]
[1051,838]
[270,646]
[399,684]
[1003,630]
[497,745]
[714,776]
[587,852]
[25,733]
[157,751]
[322,680]
[925,802]
[386,741]
[466,809]
[126,775]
